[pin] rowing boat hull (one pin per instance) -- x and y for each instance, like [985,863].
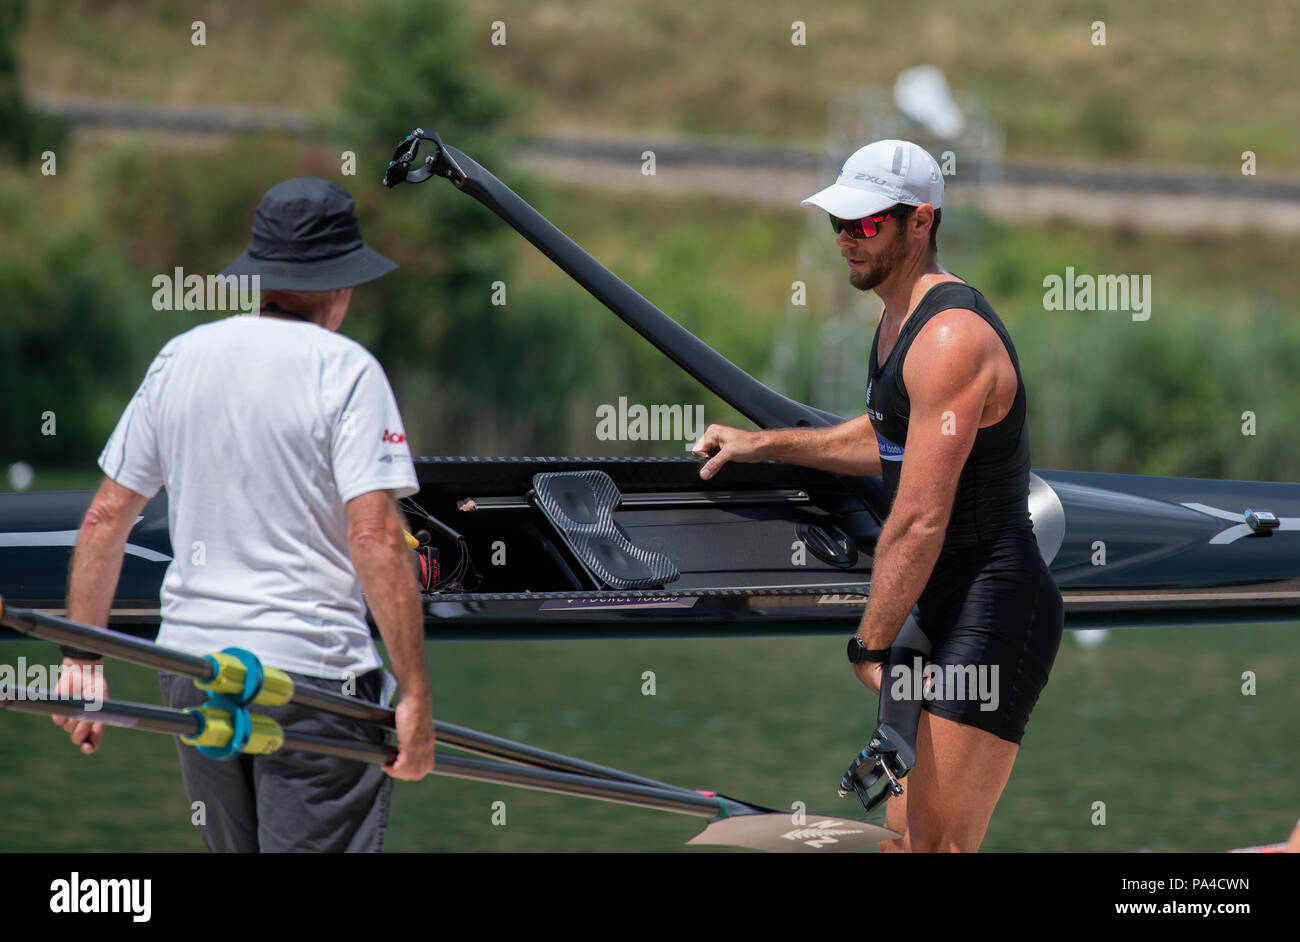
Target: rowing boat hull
[1125,550]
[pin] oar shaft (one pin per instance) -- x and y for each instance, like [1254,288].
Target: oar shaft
[157,719]
[178,723]
[678,800]
[342,705]
[143,716]
[104,641]
[495,747]
[341,748]
[152,655]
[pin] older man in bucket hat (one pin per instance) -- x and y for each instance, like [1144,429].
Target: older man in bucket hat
[282,452]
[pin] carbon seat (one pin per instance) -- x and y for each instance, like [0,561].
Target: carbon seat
[580,505]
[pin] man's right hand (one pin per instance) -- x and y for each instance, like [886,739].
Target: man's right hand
[84,679]
[870,674]
[721,443]
[415,740]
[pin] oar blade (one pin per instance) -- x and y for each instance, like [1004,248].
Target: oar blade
[776,832]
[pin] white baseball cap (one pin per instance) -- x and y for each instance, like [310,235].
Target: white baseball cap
[880,175]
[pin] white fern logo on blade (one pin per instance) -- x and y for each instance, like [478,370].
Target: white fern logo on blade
[820,834]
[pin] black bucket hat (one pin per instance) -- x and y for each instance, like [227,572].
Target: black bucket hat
[306,238]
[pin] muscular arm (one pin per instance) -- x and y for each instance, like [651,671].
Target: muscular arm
[949,374]
[847,448]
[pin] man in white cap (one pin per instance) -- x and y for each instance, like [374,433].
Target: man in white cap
[282,451]
[956,571]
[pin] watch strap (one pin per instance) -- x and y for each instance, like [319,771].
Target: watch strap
[860,653]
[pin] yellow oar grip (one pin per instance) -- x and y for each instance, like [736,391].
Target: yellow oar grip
[266,735]
[277,686]
[229,678]
[216,731]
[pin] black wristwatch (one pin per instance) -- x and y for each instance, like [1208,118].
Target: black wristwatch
[859,652]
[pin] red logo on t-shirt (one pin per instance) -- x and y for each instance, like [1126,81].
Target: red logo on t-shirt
[395,437]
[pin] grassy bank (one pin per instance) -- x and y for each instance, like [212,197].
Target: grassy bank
[1176,82]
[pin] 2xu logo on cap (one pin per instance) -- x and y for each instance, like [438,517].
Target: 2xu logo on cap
[396,438]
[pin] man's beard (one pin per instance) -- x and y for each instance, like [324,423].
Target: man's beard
[886,265]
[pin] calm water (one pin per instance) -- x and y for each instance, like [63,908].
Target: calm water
[1152,722]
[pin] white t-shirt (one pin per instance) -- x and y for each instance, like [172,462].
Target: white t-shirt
[262,429]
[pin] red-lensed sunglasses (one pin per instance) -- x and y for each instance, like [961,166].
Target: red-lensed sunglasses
[863,228]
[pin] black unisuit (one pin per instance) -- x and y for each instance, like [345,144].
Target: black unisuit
[990,603]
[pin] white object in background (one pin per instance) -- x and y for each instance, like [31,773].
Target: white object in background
[1090,637]
[20,475]
[922,93]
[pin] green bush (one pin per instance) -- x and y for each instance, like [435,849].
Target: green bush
[23,133]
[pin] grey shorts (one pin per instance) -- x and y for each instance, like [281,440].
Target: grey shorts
[288,801]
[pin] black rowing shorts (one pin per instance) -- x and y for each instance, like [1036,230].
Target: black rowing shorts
[994,618]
